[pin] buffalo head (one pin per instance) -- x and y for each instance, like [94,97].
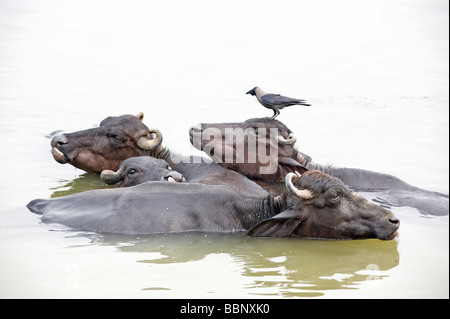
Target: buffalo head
[320,206]
[259,148]
[138,170]
[105,147]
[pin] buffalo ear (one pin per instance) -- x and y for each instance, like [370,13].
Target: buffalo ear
[291,165]
[140,116]
[281,225]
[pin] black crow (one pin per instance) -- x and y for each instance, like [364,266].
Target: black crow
[274,102]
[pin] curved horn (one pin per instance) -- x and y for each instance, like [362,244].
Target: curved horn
[303,193]
[150,143]
[110,177]
[290,140]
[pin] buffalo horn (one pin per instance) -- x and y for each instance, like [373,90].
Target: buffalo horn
[110,177]
[290,140]
[150,143]
[300,193]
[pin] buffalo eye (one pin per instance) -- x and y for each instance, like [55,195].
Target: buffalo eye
[131,171]
[334,198]
[116,137]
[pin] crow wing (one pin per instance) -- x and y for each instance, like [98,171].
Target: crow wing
[280,100]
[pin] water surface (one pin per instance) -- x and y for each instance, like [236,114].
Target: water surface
[375,72]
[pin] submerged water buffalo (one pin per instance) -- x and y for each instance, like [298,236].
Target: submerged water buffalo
[91,150]
[261,148]
[119,138]
[138,170]
[214,140]
[314,205]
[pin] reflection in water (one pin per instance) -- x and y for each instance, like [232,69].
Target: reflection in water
[276,266]
[82,183]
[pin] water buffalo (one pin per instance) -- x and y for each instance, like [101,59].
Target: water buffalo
[314,205]
[91,150]
[261,148]
[394,191]
[118,138]
[138,170]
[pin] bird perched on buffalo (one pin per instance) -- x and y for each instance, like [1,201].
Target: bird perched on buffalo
[275,102]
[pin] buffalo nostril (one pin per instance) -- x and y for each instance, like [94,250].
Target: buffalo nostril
[195,136]
[196,129]
[394,221]
[59,140]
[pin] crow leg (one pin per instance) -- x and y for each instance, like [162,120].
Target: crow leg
[276,112]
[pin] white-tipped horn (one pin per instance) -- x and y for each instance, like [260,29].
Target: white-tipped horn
[147,143]
[300,193]
[290,140]
[110,177]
